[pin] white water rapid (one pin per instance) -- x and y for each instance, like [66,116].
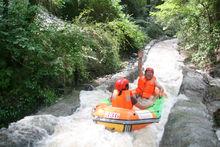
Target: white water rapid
[78,130]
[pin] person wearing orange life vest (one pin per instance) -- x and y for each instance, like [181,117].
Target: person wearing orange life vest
[122,97]
[147,83]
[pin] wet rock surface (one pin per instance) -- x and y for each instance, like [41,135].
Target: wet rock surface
[216,116]
[194,85]
[216,71]
[212,98]
[27,131]
[190,123]
[68,104]
[64,107]
[213,103]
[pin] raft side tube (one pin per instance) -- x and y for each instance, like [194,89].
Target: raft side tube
[127,122]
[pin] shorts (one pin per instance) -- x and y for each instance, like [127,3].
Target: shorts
[143,101]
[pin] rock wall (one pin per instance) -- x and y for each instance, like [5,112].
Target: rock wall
[190,123]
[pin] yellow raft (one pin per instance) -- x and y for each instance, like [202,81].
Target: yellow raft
[125,120]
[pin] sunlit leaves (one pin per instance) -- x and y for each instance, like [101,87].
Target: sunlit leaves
[195,23]
[129,34]
[41,55]
[102,10]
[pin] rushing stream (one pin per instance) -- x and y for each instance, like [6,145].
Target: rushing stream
[78,129]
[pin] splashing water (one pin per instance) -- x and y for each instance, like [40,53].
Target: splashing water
[78,130]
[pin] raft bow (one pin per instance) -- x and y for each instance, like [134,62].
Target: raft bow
[125,120]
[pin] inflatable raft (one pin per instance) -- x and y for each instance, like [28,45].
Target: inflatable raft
[125,120]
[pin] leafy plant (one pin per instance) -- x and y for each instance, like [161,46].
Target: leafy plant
[102,10]
[195,22]
[130,36]
[41,56]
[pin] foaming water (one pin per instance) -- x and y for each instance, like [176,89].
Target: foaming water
[78,130]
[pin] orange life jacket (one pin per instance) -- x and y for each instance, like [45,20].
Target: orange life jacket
[146,87]
[123,100]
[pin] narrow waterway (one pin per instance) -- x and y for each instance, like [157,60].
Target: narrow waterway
[78,129]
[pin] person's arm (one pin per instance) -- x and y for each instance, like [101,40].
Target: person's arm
[114,93]
[159,86]
[140,56]
[110,99]
[140,106]
[140,86]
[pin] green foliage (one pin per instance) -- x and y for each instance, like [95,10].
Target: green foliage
[66,9]
[140,9]
[107,49]
[41,55]
[150,27]
[118,36]
[49,96]
[102,10]
[130,36]
[35,61]
[136,8]
[53,6]
[101,49]
[70,9]
[196,26]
